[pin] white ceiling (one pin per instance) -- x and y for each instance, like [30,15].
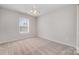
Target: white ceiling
[43,8]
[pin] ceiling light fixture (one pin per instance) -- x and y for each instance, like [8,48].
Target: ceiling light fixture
[34,11]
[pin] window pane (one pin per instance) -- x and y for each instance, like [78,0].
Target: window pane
[23,25]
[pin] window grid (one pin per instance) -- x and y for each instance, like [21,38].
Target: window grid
[23,25]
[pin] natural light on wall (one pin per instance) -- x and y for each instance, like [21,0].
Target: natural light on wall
[23,25]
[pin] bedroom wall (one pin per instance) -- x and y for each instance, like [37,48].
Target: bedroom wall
[78,28]
[59,25]
[9,26]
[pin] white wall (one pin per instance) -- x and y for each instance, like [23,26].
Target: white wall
[9,26]
[78,28]
[59,25]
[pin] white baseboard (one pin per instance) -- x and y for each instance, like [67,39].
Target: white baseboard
[77,49]
[59,42]
[15,39]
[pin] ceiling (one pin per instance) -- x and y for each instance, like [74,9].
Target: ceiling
[43,8]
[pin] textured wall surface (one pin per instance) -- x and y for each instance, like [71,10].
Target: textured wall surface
[9,26]
[59,25]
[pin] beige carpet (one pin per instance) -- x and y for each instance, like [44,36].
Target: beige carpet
[35,46]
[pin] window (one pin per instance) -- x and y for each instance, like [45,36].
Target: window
[23,25]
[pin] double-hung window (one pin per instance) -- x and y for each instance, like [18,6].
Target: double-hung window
[23,25]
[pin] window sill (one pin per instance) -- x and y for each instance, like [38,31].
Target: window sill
[23,32]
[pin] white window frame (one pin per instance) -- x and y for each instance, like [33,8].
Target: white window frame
[27,20]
